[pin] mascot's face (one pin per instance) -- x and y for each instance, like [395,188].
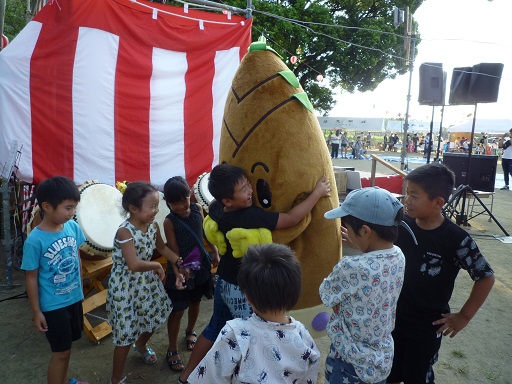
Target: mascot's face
[269,130]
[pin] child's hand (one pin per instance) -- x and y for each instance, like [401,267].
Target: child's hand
[345,237]
[451,323]
[180,281]
[323,187]
[40,322]
[215,258]
[160,271]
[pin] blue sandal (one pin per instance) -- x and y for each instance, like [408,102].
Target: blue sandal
[148,355]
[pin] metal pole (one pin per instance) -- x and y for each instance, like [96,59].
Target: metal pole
[2,18]
[248,15]
[440,135]
[8,243]
[429,149]
[406,122]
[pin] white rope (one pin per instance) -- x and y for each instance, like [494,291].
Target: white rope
[182,16]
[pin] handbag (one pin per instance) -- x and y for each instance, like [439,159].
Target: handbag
[210,279]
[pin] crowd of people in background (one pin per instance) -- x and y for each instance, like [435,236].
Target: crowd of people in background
[344,144]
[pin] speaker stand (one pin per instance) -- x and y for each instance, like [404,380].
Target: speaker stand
[439,138]
[451,207]
[428,147]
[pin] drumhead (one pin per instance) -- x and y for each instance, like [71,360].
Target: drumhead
[99,213]
[201,192]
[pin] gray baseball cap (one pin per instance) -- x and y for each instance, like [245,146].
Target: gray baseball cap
[372,205]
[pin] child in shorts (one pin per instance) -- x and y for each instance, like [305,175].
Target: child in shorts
[269,346]
[52,265]
[183,229]
[423,312]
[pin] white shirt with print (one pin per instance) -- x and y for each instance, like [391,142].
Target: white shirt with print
[253,350]
[367,287]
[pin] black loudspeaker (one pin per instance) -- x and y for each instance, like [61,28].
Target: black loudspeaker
[485,82]
[432,84]
[459,86]
[482,174]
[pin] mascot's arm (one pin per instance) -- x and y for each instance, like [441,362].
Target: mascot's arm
[214,236]
[241,239]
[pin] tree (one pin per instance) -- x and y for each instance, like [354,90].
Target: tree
[15,13]
[352,43]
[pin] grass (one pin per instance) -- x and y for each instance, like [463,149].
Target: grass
[458,353]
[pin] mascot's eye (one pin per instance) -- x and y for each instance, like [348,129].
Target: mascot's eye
[264,194]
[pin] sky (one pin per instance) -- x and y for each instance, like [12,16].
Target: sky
[456,33]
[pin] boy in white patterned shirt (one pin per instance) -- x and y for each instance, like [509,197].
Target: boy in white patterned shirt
[268,347]
[363,290]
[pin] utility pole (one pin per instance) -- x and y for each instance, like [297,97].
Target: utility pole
[410,48]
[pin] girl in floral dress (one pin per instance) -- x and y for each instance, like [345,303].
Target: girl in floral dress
[137,303]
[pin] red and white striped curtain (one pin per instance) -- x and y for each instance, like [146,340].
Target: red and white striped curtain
[117,90]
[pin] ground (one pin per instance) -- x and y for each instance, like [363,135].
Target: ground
[479,354]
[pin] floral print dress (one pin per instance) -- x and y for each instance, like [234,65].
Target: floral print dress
[136,301]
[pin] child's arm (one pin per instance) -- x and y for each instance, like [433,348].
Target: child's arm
[215,251]
[453,323]
[125,241]
[297,213]
[171,255]
[33,296]
[170,236]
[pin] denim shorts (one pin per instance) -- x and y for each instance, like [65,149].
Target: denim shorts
[338,371]
[228,303]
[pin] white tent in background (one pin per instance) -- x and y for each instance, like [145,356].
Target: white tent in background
[366,124]
[484,126]
[415,126]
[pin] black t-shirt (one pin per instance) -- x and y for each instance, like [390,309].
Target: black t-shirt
[251,217]
[431,268]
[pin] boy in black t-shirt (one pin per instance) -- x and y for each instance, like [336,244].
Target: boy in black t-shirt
[232,208]
[423,313]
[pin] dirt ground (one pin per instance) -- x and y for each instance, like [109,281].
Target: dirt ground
[479,354]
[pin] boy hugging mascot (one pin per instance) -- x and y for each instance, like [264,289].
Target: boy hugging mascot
[270,131]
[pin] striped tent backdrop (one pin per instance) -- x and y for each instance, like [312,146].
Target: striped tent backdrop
[117,90]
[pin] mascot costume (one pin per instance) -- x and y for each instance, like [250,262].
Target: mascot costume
[270,131]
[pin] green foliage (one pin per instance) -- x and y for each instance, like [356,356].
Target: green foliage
[15,17]
[364,50]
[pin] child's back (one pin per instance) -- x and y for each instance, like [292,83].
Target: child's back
[268,346]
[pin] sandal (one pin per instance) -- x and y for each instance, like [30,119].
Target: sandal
[191,343]
[122,381]
[148,355]
[76,381]
[175,365]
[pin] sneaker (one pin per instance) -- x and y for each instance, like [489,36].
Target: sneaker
[504,188]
